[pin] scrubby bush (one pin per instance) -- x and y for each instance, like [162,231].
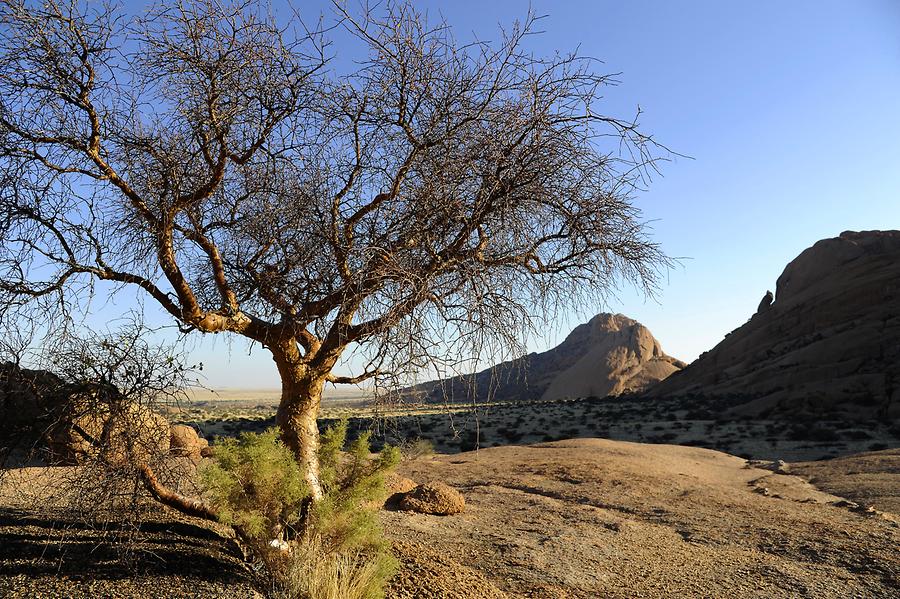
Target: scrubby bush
[469,440]
[894,429]
[328,549]
[255,485]
[417,448]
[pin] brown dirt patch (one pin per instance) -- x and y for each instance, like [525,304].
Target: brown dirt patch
[426,574]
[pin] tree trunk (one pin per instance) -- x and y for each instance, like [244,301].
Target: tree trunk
[301,394]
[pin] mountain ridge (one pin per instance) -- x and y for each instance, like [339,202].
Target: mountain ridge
[610,354]
[830,341]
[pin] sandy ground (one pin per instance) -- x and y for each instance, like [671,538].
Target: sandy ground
[596,518]
[582,518]
[871,478]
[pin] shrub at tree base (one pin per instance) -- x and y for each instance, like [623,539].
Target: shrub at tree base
[255,485]
[316,574]
[329,549]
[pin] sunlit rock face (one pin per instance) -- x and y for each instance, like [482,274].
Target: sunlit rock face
[828,344]
[609,355]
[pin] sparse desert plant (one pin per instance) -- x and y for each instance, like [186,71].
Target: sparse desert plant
[315,574]
[303,549]
[813,432]
[469,441]
[856,435]
[417,448]
[512,435]
[697,443]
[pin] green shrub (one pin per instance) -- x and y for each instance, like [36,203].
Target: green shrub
[335,547]
[255,484]
[351,481]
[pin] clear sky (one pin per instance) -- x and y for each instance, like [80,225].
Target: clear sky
[790,112]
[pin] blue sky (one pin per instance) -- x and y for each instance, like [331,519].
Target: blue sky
[790,112]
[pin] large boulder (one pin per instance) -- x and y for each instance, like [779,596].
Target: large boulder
[96,424]
[184,441]
[27,399]
[609,355]
[828,344]
[78,422]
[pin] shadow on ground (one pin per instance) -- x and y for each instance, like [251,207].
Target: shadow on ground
[153,556]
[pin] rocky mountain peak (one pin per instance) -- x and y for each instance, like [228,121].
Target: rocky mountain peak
[610,354]
[829,343]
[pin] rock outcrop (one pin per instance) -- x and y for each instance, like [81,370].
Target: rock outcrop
[609,355]
[118,433]
[829,344]
[184,441]
[77,422]
[27,400]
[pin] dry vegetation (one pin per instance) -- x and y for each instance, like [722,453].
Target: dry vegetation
[452,428]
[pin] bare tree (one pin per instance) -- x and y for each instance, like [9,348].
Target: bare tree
[208,154]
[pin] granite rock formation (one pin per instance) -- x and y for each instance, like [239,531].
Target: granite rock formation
[609,355]
[828,345]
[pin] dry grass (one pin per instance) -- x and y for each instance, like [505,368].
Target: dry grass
[312,573]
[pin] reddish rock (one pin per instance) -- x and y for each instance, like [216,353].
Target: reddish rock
[184,441]
[434,498]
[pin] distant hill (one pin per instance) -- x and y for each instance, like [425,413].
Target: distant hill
[609,355]
[828,344]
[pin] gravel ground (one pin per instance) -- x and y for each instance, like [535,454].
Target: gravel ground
[159,556]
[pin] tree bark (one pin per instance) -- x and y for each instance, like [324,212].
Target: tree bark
[301,395]
[164,495]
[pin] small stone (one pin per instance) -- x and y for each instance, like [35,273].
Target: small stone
[434,498]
